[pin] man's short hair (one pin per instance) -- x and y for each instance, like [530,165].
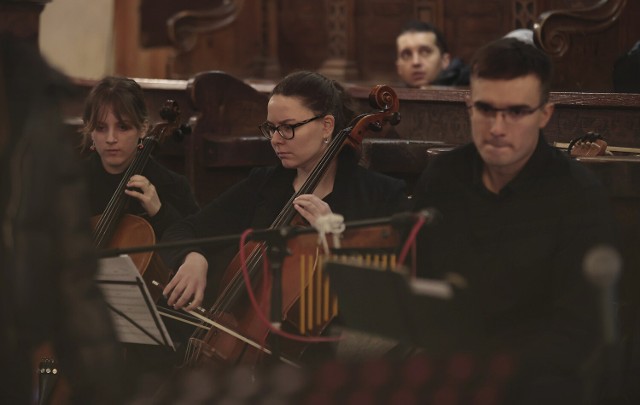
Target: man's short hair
[421,26]
[510,58]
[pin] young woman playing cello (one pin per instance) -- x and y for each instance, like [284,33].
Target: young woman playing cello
[115,122]
[305,111]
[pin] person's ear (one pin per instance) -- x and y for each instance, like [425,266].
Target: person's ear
[145,129]
[328,124]
[547,112]
[467,102]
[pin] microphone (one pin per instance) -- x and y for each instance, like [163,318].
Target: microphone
[602,266]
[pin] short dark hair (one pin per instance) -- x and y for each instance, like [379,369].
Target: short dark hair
[123,95]
[319,94]
[421,26]
[510,58]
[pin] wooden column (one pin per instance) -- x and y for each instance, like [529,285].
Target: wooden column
[340,64]
[271,66]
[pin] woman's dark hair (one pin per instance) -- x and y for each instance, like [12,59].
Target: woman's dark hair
[319,94]
[123,95]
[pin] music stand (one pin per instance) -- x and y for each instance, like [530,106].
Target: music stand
[134,313]
[383,302]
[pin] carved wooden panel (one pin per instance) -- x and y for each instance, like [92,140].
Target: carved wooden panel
[430,10]
[470,24]
[154,15]
[270,38]
[377,23]
[226,38]
[525,13]
[303,37]
[586,39]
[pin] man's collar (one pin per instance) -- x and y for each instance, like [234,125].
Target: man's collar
[537,164]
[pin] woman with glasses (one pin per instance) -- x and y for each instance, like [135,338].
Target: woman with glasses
[305,111]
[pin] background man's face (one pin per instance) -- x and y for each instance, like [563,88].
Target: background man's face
[419,59]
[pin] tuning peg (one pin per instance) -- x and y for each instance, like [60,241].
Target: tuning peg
[182,131]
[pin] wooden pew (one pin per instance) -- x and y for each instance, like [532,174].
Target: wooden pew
[226,111]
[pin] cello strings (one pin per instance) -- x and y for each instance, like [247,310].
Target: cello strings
[236,284]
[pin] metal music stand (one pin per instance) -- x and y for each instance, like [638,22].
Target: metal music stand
[134,313]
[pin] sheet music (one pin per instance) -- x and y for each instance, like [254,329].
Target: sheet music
[125,291]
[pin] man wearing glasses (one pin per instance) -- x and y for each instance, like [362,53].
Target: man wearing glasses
[518,218]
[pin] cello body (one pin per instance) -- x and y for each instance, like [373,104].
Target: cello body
[308,306]
[133,230]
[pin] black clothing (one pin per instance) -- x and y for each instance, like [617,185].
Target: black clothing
[255,202]
[47,259]
[456,74]
[521,254]
[173,190]
[143,361]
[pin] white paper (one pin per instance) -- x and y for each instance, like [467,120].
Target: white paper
[124,290]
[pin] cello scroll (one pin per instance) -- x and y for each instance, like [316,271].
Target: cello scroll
[170,113]
[385,99]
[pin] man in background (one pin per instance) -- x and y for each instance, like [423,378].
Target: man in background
[423,58]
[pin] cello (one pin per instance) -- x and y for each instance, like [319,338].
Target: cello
[114,229]
[230,312]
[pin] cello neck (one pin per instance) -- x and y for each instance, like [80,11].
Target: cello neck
[109,219]
[308,187]
[113,212]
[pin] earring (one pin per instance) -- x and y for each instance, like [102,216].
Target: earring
[326,140]
[140,145]
[92,148]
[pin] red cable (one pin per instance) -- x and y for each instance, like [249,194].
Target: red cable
[411,241]
[256,307]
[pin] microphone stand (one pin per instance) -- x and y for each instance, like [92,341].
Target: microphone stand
[275,240]
[398,221]
[276,247]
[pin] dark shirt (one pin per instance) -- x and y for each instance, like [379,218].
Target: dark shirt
[520,251]
[255,202]
[456,74]
[173,190]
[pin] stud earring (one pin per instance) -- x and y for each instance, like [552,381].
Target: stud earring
[326,140]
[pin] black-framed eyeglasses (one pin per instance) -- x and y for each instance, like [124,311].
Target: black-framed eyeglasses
[286,131]
[510,114]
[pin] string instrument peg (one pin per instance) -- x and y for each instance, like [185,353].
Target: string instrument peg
[591,144]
